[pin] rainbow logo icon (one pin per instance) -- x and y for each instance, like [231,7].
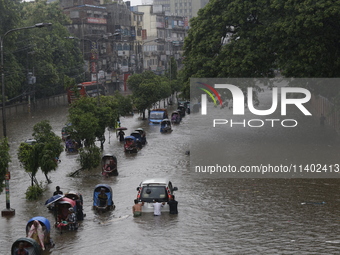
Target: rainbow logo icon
[210,91]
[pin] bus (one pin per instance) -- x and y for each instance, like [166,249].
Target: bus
[85,89]
[157,115]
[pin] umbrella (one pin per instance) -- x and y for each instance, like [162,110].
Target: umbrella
[53,199]
[121,128]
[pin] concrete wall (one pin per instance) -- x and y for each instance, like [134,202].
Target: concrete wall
[41,103]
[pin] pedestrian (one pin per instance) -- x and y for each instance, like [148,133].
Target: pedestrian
[173,205]
[322,119]
[21,250]
[157,207]
[36,232]
[57,191]
[137,208]
[79,204]
[121,135]
[71,219]
[102,198]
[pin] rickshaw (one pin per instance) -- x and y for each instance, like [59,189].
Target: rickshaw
[42,230]
[78,198]
[130,144]
[102,198]
[182,110]
[62,209]
[29,244]
[165,126]
[109,165]
[176,117]
[71,145]
[138,137]
[143,135]
[65,131]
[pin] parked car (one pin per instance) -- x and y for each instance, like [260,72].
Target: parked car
[155,189]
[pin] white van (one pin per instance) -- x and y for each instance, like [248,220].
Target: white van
[155,189]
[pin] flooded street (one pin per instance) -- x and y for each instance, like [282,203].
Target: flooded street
[216,215]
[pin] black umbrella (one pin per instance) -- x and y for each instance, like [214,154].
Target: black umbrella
[53,199]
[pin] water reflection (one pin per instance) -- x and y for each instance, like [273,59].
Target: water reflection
[216,216]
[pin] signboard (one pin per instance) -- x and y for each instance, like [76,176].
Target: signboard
[93,77]
[7,176]
[97,20]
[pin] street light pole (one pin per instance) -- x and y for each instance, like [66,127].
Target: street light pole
[38,25]
[9,211]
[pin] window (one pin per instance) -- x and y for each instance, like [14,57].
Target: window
[149,193]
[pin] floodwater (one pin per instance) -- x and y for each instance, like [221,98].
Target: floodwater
[216,216]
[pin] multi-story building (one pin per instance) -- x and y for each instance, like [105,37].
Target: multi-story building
[164,37]
[137,58]
[153,25]
[106,37]
[118,40]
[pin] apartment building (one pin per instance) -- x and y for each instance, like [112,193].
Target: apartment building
[118,40]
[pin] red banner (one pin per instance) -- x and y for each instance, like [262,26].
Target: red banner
[93,67]
[126,76]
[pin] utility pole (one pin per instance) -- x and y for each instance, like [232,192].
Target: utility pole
[9,211]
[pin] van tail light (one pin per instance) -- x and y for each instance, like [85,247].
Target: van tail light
[138,194]
[169,194]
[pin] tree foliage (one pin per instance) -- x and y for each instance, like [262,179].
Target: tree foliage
[43,153]
[235,38]
[89,157]
[84,114]
[148,88]
[46,52]
[5,158]
[29,158]
[90,120]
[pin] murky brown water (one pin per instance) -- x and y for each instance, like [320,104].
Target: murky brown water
[216,216]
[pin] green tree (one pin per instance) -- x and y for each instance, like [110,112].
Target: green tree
[43,153]
[89,157]
[10,19]
[29,158]
[89,120]
[171,73]
[119,106]
[235,38]
[45,50]
[4,160]
[147,88]
[48,145]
